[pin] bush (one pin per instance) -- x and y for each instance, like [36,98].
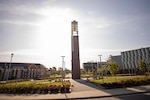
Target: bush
[127,83]
[65,89]
[33,87]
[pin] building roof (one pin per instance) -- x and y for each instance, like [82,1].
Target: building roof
[23,64]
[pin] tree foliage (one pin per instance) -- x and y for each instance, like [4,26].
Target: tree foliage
[83,72]
[53,71]
[60,71]
[142,66]
[113,68]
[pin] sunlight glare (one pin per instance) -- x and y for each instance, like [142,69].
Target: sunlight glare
[54,29]
[53,34]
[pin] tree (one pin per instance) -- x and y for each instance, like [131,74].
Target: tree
[60,70]
[50,69]
[94,72]
[67,71]
[113,68]
[54,71]
[142,66]
[83,72]
[98,72]
[104,70]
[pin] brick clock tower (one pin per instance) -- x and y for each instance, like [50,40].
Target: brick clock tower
[75,50]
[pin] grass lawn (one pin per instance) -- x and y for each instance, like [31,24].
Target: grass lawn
[111,79]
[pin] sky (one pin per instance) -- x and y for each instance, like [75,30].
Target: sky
[39,31]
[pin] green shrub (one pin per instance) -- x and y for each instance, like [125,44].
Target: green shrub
[32,87]
[127,83]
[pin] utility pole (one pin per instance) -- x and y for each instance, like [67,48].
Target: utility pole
[101,67]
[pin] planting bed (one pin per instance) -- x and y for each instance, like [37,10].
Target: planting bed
[35,87]
[135,81]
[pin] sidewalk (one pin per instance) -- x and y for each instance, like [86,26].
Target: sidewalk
[82,89]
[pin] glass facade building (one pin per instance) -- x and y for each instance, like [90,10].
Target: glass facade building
[131,58]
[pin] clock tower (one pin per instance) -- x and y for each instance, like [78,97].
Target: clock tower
[75,50]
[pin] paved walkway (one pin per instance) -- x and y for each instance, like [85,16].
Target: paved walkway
[82,89]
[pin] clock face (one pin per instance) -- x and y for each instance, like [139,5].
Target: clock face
[75,33]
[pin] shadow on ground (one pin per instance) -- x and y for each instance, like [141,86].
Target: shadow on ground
[121,93]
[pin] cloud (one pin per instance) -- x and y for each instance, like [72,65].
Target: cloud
[103,26]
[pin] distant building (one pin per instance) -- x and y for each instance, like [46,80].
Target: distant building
[131,58]
[127,61]
[21,71]
[89,66]
[116,59]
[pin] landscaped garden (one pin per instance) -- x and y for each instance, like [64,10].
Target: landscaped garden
[51,84]
[108,77]
[35,86]
[121,81]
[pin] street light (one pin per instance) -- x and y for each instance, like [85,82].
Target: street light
[62,68]
[9,65]
[101,67]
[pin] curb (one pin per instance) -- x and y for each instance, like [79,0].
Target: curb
[80,98]
[109,95]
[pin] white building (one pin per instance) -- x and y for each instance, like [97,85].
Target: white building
[89,66]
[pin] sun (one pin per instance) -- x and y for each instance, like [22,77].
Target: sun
[52,37]
[53,27]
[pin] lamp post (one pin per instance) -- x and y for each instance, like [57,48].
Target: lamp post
[9,65]
[101,67]
[62,69]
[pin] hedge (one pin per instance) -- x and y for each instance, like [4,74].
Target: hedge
[126,83]
[33,88]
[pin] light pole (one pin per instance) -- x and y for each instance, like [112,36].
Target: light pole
[101,67]
[62,68]
[9,65]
